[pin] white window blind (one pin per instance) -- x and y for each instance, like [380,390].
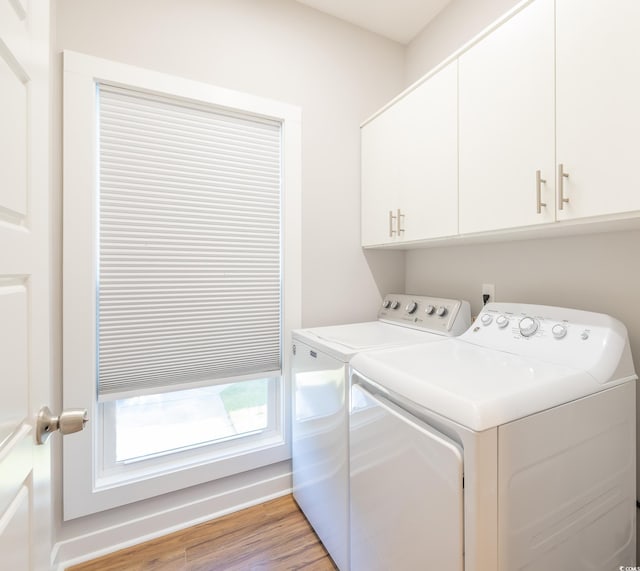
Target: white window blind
[189,288]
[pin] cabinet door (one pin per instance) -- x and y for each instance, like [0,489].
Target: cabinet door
[381,142]
[598,113]
[429,191]
[409,163]
[506,99]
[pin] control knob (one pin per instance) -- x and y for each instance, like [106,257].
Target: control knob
[386,304]
[411,307]
[559,330]
[441,311]
[502,321]
[429,309]
[486,319]
[528,326]
[395,304]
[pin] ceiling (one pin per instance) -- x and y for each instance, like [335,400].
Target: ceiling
[399,20]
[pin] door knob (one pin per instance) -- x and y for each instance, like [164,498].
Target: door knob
[72,420]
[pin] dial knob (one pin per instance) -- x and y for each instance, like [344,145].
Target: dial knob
[411,307]
[486,319]
[386,303]
[395,304]
[442,310]
[528,326]
[429,309]
[502,321]
[559,331]
[584,335]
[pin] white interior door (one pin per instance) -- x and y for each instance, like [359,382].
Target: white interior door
[25,497]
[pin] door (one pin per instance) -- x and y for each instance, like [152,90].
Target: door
[25,496]
[507,124]
[598,89]
[406,490]
[429,191]
[410,165]
[381,171]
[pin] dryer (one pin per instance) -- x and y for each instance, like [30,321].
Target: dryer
[510,447]
[320,415]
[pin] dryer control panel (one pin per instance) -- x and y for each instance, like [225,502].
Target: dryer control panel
[571,337]
[439,315]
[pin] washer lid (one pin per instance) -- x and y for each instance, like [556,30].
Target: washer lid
[344,341]
[477,387]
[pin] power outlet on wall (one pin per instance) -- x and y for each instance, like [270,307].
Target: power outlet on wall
[488,293]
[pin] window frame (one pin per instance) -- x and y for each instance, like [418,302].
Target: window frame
[86,488]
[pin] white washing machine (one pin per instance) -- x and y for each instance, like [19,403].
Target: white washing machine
[320,425]
[510,447]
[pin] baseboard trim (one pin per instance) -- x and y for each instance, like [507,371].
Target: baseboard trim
[134,531]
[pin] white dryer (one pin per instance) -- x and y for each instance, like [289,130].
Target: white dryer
[320,414]
[510,447]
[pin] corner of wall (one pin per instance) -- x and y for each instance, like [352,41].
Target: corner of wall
[455,25]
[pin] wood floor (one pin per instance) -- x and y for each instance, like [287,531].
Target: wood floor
[268,537]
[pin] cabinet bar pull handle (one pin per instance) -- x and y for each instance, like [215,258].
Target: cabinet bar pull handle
[391,219]
[561,176]
[539,182]
[400,218]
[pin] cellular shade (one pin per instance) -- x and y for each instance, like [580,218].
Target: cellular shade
[189,277]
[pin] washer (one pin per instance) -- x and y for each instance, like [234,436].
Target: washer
[320,425]
[510,447]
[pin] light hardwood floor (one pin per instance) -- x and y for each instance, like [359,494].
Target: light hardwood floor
[272,536]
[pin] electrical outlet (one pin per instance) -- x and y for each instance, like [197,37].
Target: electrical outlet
[488,293]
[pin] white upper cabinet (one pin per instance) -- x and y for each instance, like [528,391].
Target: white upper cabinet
[534,127]
[381,164]
[506,99]
[598,106]
[410,165]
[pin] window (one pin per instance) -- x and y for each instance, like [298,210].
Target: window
[181,280]
[151,425]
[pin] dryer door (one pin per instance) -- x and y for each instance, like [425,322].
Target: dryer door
[406,490]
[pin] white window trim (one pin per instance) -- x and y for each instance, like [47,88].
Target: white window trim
[83,493]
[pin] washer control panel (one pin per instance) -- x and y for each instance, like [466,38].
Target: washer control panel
[523,325]
[439,315]
[560,335]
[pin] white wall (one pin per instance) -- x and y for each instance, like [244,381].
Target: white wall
[338,74]
[453,27]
